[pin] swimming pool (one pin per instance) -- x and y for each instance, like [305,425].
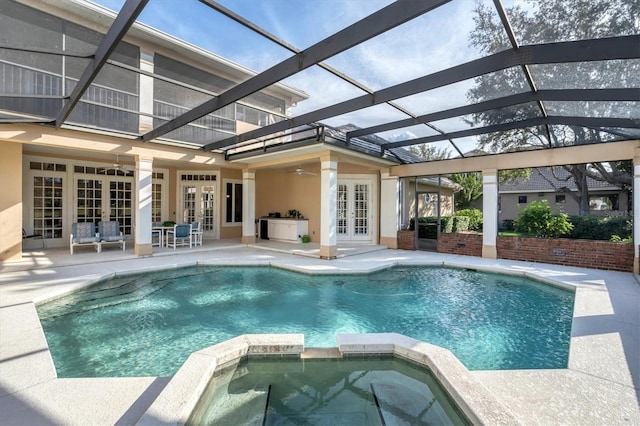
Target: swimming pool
[147,324]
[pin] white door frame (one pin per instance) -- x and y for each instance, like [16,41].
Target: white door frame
[351,181]
[215,234]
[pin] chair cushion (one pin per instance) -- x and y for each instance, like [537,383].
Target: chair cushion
[112,238]
[85,240]
[84,230]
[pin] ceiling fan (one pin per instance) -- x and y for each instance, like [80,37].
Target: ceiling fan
[301,172]
[119,167]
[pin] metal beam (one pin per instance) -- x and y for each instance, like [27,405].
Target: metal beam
[623,47]
[375,24]
[565,95]
[127,16]
[531,122]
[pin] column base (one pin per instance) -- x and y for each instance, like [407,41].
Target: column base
[390,242]
[248,239]
[328,252]
[143,250]
[489,252]
[636,265]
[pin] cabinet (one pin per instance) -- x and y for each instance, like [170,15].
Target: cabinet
[287,230]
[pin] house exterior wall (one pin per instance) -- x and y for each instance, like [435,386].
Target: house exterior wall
[509,206]
[10,201]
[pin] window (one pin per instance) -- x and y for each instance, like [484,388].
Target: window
[560,199]
[604,202]
[522,199]
[233,201]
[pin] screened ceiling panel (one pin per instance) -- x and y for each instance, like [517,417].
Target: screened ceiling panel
[409,132]
[594,109]
[411,50]
[186,20]
[366,117]
[563,21]
[324,89]
[302,23]
[588,75]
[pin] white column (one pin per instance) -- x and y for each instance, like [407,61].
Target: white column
[636,211]
[328,208]
[146,93]
[144,168]
[489,213]
[248,207]
[389,210]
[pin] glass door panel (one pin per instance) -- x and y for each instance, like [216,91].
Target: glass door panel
[361,211]
[121,204]
[89,195]
[342,226]
[208,209]
[353,221]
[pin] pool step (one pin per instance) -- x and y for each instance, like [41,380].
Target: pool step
[317,353]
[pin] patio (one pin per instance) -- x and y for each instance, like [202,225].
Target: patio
[600,386]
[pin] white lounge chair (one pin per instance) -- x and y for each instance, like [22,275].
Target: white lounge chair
[180,232]
[110,233]
[82,234]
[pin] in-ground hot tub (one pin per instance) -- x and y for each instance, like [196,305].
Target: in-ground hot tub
[373,379]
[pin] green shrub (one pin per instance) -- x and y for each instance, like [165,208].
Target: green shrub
[429,228]
[475,218]
[447,224]
[593,227]
[617,239]
[538,220]
[460,223]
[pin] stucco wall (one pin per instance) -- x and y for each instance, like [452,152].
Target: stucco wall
[10,201]
[279,191]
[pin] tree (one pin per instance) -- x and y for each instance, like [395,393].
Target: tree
[471,188]
[430,152]
[557,20]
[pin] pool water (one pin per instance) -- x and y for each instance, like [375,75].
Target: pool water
[148,324]
[353,391]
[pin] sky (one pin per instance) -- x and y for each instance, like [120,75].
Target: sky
[432,42]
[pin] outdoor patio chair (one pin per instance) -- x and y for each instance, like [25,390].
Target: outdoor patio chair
[110,233]
[156,238]
[28,237]
[82,234]
[196,233]
[180,232]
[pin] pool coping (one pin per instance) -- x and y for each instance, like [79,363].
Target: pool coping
[602,376]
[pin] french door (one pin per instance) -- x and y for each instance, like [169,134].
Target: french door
[354,210]
[199,204]
[104,198]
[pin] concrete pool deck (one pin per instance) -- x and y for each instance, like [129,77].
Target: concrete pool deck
[600,386]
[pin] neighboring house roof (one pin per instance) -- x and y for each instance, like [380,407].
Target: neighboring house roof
[551,179]
[444,182]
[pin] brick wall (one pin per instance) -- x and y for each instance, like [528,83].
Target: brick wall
[561,251]
[457,243]
[406,241]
